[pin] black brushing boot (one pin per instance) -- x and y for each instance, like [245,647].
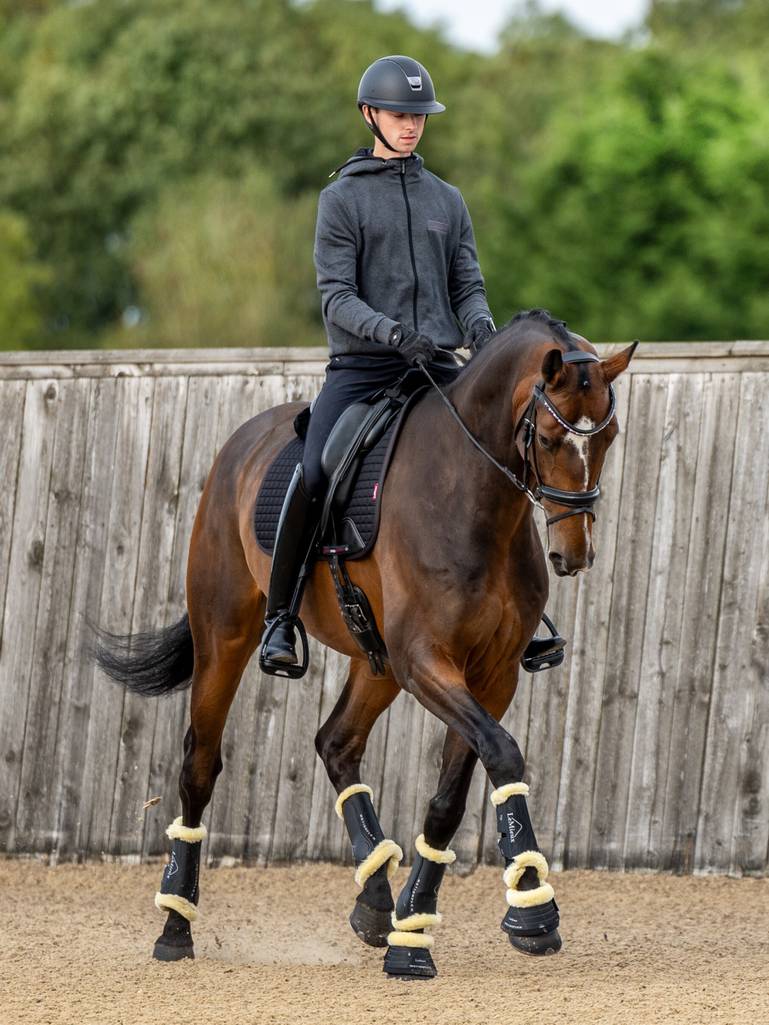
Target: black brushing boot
[179,892]
[290,559]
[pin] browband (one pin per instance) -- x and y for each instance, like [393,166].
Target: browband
[578,356]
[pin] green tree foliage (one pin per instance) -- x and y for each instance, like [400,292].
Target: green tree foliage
[216,264]
[21,276]
[160,161]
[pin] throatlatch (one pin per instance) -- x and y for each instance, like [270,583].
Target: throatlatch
[408,952]
[179,886]
[532,910]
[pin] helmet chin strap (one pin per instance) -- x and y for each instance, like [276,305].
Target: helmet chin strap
[378,132]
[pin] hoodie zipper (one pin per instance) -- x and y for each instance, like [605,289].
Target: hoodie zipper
[411,243]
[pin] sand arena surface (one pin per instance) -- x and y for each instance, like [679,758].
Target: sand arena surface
[273,946]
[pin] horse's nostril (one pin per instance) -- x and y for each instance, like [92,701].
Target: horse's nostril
[558,561]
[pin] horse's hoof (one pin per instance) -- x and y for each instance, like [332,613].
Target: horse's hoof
[547,943]
[372,926]
[172,952]
[409,963]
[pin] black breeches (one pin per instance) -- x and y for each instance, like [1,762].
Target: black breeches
[357,379]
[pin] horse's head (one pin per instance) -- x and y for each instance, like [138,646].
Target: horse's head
[565,429]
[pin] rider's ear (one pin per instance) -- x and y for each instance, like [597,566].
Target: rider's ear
[552,367]
[614,365]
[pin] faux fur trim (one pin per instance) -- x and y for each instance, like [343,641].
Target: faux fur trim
[423,921]
[526,859]
[172,902]
[385,851]
[501,794]
[530,898]
[190,834]
[447,857]
[410,939]
[355,788]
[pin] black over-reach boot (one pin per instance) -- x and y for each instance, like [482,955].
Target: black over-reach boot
[290,559]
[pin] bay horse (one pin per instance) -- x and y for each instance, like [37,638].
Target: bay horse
[458,582]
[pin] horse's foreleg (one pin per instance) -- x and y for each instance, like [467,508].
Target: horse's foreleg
[341,742]
[222,651]
[531,921]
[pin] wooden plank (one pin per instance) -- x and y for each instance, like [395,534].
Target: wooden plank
[731,834]
[327,839]
[244,358]
[198,451]
[587,660]
[652,741]
[296,766]
[27,550]
[628,617]
[79,709]
[699,595]
[37,811]
[150,609]
[124,482]
[242,811]
[397,803]
[11,415]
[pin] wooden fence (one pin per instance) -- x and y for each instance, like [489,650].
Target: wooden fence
[648,749]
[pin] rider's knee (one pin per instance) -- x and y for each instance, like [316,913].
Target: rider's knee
[313,480]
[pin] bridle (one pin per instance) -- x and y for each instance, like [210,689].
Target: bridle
[575,502]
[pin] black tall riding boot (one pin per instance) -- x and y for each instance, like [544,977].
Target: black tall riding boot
[296,527]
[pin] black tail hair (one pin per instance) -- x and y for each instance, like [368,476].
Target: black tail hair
[149,663]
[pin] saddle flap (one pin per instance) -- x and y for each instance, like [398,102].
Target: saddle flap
[361,425]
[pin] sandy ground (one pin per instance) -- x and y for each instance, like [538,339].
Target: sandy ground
[273,946]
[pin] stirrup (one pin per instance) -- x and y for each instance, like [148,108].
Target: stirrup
[544,652]
[274,668]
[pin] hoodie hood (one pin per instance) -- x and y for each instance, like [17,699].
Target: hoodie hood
[363,161]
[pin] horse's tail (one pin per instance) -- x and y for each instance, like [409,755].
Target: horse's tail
[150,663]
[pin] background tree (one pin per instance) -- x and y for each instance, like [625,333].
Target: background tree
[160,162]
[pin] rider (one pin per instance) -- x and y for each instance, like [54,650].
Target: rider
[400,285]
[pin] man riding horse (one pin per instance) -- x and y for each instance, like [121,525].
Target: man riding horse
[400,284]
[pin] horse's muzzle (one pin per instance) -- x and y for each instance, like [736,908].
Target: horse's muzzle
[570,567]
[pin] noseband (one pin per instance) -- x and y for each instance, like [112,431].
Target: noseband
[575,502]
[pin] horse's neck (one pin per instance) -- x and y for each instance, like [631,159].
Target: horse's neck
[483,397]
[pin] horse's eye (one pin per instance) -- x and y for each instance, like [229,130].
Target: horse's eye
[544,441]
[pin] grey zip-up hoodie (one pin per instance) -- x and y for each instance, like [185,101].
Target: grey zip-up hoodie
[394,244]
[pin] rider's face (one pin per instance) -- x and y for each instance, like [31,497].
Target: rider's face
[403,131]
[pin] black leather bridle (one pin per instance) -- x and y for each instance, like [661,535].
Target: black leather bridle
[575,502]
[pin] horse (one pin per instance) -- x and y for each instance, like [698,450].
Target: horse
[457,581]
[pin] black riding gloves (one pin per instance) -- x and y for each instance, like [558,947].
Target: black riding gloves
[480,333]
[413,346]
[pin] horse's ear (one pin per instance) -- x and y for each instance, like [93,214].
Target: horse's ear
[552,366]
[614,365]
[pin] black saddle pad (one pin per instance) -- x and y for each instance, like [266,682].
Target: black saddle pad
[362,507]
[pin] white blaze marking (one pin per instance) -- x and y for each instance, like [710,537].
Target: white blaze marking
[582,443]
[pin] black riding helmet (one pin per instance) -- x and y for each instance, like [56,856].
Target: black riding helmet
[397,83]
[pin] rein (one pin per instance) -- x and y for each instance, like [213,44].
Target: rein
[575,502]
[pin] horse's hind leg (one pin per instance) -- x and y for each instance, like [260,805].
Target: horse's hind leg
[341,742]
[225,628]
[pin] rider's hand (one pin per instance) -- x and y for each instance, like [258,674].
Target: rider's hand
[413,346]
[481,332]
